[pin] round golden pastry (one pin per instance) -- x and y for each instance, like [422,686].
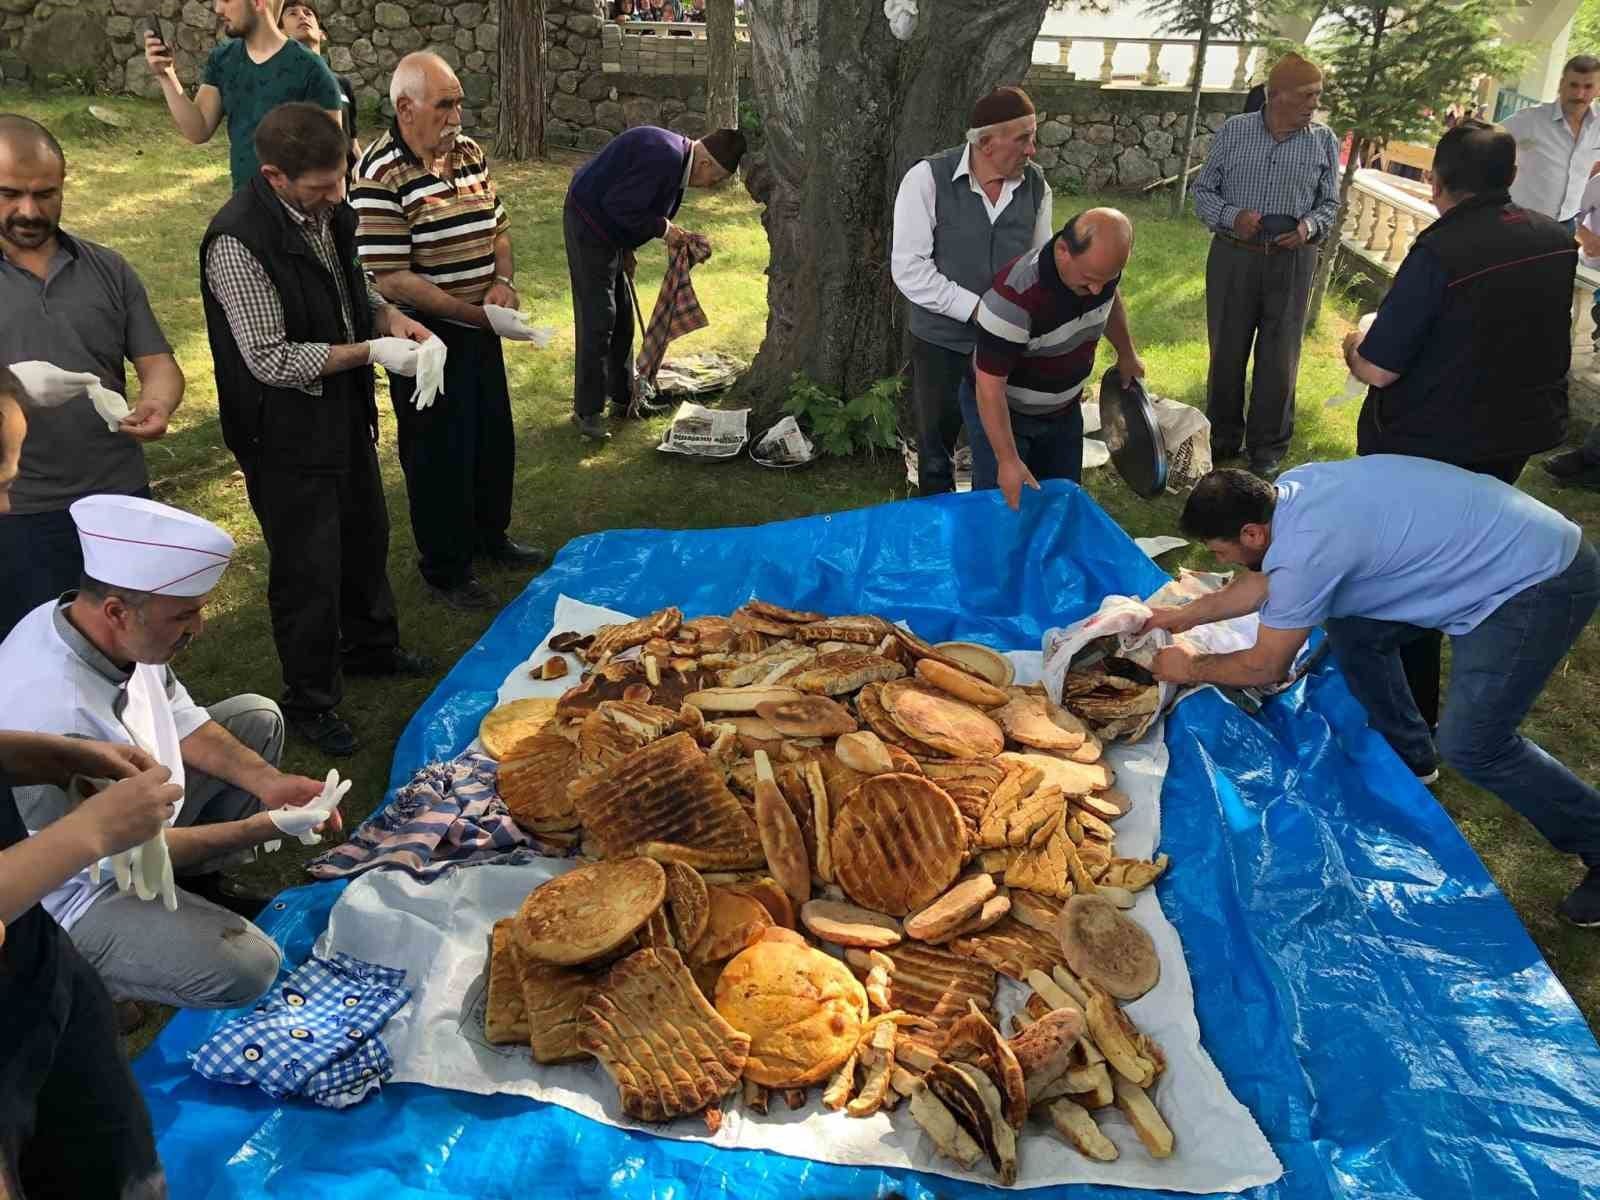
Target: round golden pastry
[507,724]
[589,911]
[803,1010]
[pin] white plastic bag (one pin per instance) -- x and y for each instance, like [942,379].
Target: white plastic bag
[1354,389]
[902,16]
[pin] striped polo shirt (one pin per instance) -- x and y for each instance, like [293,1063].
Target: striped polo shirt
[1039,335]
[444,229]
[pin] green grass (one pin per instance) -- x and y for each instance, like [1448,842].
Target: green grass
[150,195]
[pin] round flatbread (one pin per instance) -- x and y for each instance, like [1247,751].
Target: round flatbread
[590,911]
[532,779]
[980,660]
[1107,948]
[897,842]
[948,725]
[503,727]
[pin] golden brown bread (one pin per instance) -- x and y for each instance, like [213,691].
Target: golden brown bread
[532,780]
[951,726]
[802,1009]
[505,1022]
[897,842]
[589,911]
[507,724]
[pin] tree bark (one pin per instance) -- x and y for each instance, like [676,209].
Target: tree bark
[522,80]
[1330,252]
[722,82]
[845,110]
[1193,123]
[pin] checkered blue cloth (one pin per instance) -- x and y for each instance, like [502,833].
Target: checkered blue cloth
[315,1034]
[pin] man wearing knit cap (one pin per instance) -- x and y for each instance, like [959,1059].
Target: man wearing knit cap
[1269,191]
[95,664]
[623,197]
[959,216]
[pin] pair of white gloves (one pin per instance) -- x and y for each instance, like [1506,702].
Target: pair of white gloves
[50,386]
[422,360]
[147,868]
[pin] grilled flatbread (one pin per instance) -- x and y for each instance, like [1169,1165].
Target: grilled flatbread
[589,911]
[869,707]
[532,780]
[865,630]
[688,902]
[1028,719]
[553,997]
[505,1021]
[668,793]
[1012,948]
[1074,779]
[842,671]
[949,725]
[611,640]
[616,728]
[897,842]
[933,983]
[659,1038]
[1044,868]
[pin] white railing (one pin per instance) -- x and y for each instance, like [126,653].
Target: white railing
[693,30]
[1052,48]
[1386,213]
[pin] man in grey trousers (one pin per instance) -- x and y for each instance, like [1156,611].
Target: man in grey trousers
[1269,192]
[959,217]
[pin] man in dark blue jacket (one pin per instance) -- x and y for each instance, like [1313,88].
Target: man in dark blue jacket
[619,200]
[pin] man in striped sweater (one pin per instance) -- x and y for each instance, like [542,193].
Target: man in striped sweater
[1037,330]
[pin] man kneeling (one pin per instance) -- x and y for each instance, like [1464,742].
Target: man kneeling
[93,664]
[1383,549]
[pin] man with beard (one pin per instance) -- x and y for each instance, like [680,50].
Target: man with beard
[1268,192]
[72,315]
[959,216]
[1376,548]
[95,665]
[245,78]
[300,21]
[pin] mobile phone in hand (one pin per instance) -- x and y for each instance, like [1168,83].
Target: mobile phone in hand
[152,26]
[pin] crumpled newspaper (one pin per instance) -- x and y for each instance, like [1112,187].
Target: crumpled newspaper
[146,868]
[784,445]
[514,327]
[430,372]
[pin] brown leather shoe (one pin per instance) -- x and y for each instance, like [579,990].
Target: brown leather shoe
[130,1015]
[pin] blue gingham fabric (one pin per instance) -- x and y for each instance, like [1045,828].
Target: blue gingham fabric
[315,1034]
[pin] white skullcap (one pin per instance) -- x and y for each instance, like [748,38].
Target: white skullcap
[148,547]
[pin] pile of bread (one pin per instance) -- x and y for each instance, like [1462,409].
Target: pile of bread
[813,846]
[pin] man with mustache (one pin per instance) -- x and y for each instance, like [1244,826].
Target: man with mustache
[437,240]
[1268,192]
[76,313]
[244,78]
[94,664]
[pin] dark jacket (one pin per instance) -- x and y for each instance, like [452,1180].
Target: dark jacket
[628,191]
[285,427]
[1490,383]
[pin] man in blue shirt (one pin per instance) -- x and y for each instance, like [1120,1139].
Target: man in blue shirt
[1380,550]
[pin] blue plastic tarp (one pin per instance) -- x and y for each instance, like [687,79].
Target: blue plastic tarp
[1360,981]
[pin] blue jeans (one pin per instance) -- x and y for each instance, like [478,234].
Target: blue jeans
[1497,672]
[1051,447]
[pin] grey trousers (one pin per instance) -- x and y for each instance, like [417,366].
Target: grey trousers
[201,956]
[1255,299]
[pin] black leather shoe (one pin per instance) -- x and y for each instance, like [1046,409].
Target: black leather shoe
[389,662]
[1222,454]
[327,731]
[130,1015]
[515,554]
[232,894]
[591,427]
[1572,468]
[1266,468]
[1582,905]
[464,597]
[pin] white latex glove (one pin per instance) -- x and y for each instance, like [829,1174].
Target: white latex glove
[146,868]
[430,372]
[302,820]
[394,354]
[511,325]
[49,386]
[112,406]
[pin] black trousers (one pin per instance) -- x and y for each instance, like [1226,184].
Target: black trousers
[602,315]
[1422,658]
[936,375]
[40,557]
[1255,300]
[459,455]
[328,572]
[72,1122]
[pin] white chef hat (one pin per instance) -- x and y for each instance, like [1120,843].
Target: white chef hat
[138,544]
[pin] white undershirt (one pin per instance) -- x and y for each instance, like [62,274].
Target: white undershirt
[911,260]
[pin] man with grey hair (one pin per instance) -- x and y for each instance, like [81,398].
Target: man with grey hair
[959,216]
[436,238]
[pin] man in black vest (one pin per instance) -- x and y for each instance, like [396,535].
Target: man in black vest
[961,215]
[1467,358]
[292,322]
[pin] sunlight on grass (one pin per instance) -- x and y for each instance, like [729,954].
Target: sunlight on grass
[149,194]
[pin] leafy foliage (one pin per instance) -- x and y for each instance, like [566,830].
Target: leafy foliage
[844,427]
[1241,20]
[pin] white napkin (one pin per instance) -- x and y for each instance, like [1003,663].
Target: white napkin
[513,326]
[430,372]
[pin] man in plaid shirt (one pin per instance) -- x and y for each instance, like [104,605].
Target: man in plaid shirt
[294,327]
[1269,192]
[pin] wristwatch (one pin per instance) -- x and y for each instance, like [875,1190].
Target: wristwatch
[505,279]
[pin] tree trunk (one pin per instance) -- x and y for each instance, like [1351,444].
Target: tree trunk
[1193,124]
[1330,251]
[722,83]
[845,110]
[522,80]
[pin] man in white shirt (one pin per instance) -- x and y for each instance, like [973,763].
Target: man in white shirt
[94,664]
[960,216]
[1558,143]
[1580,468]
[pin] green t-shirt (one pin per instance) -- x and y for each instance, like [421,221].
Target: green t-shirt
[251,90]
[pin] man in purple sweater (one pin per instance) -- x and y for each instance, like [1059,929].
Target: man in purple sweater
[620,199]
